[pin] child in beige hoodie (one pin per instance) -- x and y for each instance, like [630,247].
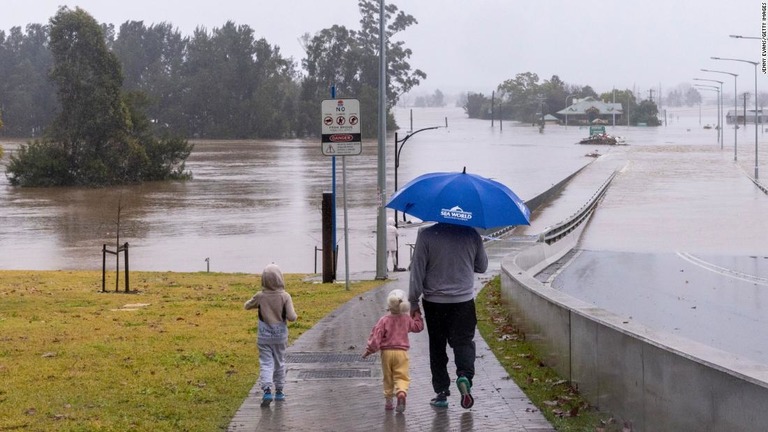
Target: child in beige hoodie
[275,308]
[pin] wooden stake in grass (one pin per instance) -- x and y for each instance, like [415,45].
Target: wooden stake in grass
[117,243]
[116,252]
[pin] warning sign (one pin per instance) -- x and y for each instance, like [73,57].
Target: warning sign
[341,127]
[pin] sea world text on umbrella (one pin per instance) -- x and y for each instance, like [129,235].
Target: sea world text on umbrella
[456,213]
[461,198]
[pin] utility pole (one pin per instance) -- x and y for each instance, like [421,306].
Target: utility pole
[381,225]
[744,96]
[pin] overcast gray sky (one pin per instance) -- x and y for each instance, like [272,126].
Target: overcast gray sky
[475,45]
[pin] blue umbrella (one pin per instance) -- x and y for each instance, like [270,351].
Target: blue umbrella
[461,199]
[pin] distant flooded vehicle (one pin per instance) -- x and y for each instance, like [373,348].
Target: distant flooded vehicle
[603,139]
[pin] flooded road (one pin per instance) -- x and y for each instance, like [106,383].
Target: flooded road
[680,244]
[255,202]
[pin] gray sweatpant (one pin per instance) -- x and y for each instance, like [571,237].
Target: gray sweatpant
[272,365]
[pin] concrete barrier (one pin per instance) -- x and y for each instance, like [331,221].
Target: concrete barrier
[656,381]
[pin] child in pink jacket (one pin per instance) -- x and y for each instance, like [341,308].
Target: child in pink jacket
[390,335]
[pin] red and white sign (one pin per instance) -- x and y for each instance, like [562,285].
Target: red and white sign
[341,127]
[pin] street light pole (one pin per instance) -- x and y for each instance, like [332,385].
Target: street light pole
[753,63]
[735,108]
[719,109]
[381,223]
[566,109]
[710,88]
[398,150]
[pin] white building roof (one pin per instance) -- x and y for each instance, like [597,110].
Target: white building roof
[581,106]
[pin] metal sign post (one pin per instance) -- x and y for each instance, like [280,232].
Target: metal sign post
[341,137]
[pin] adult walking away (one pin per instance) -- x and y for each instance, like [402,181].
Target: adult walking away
[445,259]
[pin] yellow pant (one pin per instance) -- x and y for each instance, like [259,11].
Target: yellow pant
[394,366]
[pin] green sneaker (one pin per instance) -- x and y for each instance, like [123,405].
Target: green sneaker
[464,388]
[440,401]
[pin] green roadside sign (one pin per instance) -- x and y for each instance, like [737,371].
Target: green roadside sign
[596,130]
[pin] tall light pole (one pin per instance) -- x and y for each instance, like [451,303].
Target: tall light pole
[719,109]
[399,150]
[381,225]
[735,108]
[710,88]
[566,108]
[753,63]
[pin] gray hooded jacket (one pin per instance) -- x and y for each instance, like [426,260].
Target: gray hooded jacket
[275,307]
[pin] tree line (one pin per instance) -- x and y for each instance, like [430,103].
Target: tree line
[108,108]
[526,98]
[223,83]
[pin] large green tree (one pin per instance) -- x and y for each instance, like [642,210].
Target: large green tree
[152,59]
[29,102]
[518,97]
[350,60]
[101,136]
[235,86]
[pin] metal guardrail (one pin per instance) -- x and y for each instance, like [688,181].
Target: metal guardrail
[499,233]
[555,232]
[759,185]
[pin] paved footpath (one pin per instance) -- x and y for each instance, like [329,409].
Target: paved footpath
[331,388]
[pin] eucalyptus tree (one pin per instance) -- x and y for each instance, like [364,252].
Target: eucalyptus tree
[236,86]
[99,137]
[275,100]
[27,96]
[477,106]
[349,59]
[518,96]
[152,60]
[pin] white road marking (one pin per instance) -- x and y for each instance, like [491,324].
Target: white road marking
[723,271]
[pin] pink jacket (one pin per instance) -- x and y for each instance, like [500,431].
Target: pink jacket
[391,332]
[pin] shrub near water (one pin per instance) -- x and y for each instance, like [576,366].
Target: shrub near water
[177,355]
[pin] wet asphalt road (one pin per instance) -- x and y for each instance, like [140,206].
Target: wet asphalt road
[680,244]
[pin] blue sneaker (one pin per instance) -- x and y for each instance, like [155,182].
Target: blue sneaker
[464,388]
[440,401]
[279,395]
[267,398]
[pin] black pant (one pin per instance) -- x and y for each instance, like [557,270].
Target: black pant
[454,324]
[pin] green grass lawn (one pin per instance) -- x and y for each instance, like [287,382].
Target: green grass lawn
[177,354]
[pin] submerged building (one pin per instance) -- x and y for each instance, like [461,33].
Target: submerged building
[591,111]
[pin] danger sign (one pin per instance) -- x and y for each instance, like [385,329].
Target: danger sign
[341,127]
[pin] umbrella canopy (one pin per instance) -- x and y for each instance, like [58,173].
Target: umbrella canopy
[461,199]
